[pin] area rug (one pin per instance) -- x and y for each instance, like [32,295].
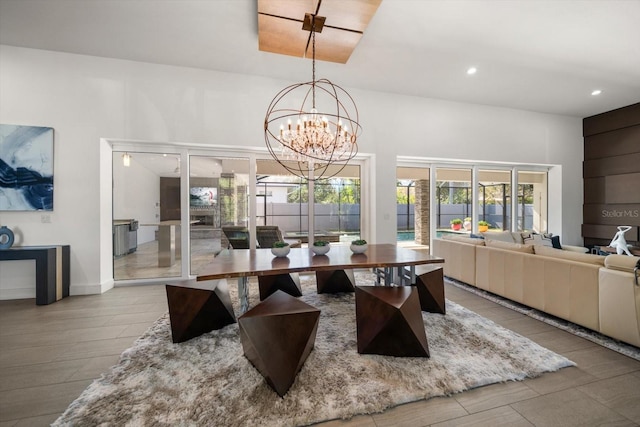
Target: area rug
[577,330]
[208,381]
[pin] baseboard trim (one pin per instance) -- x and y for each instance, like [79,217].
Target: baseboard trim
[17,293]
[91,289]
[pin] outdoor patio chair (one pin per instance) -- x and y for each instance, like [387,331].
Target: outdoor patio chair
[267,235]
[238,236]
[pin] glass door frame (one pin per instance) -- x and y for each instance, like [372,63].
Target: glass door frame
[434,164]
[108,146]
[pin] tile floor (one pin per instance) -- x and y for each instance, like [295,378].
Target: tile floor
[49,354]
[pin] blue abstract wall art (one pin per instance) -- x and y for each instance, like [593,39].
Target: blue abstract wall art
[26,168]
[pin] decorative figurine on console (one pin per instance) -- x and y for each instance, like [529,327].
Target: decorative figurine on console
[619,242]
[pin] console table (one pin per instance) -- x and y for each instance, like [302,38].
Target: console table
[52,269]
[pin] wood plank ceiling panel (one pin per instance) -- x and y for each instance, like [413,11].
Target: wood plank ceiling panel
[292,9]
[281,36]
[353,15]
[334,45]
[280,27]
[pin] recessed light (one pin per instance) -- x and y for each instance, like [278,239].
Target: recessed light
[472,70]
[596,92]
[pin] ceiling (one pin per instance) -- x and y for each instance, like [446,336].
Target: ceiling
[538,55]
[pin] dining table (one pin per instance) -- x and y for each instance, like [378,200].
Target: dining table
[396,264]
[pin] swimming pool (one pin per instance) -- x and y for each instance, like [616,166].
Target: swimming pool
[404,236]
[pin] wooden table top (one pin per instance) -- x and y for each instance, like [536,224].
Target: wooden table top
[261,262]
[634,250]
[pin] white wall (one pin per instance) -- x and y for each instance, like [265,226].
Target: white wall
[87,98]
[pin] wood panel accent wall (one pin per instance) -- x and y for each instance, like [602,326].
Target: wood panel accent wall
[611,172]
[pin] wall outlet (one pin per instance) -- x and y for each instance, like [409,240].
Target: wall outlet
[45,219]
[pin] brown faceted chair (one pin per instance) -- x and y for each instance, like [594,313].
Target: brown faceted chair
[238,236]
[267,235]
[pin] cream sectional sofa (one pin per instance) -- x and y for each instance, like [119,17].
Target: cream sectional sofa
[594,291]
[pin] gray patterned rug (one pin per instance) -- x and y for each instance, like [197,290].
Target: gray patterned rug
[208,381]
[577,330]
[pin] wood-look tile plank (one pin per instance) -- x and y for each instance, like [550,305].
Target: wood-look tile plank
[494,396]
[99,348]
[499,314]
[622,394]
[134,330]
[357,421]
[43,420]
[37,375]
[561,341]
[526,326]
[30,355]
[569,408]
[502,416]
[421,413]
[602,362]
[54,326]
[35,401]
[64,337]
[562,380]
[133,318]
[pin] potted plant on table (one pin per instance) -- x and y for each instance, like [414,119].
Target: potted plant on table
[467,224]
[483,226]
[280,249]
[456,224]
[320,247]
[358,246]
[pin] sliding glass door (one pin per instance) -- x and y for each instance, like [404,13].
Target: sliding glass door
[532,201]
[453,200]
[494,199]
[282,199]
[413,204]
[218,200]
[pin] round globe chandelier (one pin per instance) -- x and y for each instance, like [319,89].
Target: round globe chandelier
[312,128]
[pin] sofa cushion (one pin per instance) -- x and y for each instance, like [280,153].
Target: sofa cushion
[517,247]
[503,236]
[621,262]
[463,239]
[568,255]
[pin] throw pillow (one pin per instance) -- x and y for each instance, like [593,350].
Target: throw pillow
[538,240]
[555,241]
